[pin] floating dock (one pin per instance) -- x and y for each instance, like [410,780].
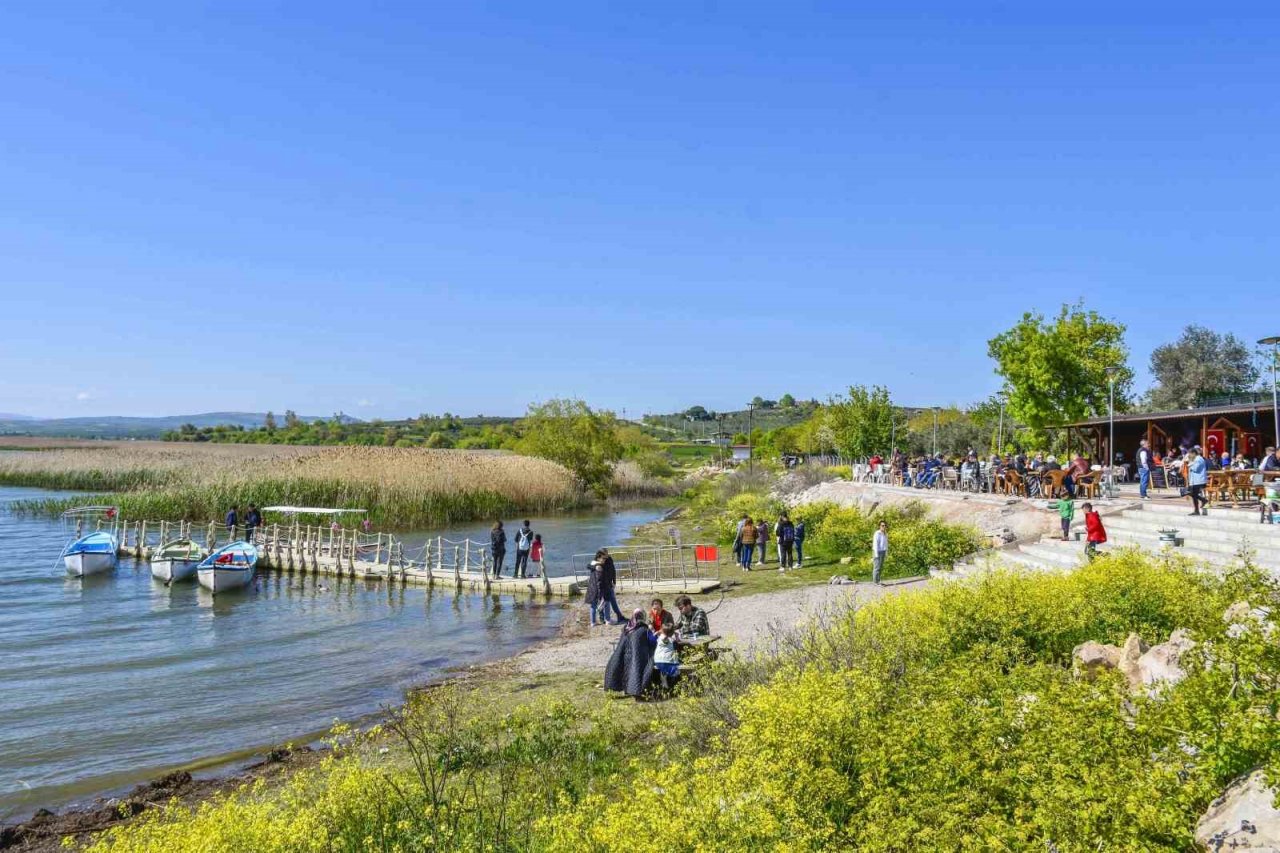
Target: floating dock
[463,565]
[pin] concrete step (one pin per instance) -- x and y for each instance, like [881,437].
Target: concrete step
[1212,538]
[1151,544]
[1217,516]
[1054,554]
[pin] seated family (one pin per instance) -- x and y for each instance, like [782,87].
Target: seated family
[650,646]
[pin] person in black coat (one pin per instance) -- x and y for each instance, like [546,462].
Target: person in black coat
[593,593]
[608,581]
[630,667]
[498,547]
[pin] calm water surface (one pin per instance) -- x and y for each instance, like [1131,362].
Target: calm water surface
[109,680]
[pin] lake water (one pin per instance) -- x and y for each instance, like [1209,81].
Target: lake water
[111,680]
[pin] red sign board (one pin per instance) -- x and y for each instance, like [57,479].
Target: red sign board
[706,553]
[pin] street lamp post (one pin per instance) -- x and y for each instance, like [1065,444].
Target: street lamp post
[935,430]
[751,428]
[1000,434]
[1274,343]
[1111,426]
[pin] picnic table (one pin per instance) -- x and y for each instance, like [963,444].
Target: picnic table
[698,648]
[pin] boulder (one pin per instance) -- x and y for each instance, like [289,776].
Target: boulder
[1243,818]
[1242,616]
[1091,658]
[837,580]
[1130,654]
[1163,661]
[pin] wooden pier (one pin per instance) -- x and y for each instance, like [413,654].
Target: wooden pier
[464,565]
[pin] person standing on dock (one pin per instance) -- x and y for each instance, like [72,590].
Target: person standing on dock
[233,518]
[524,542]
[535,555]
[252,521]
[498,547]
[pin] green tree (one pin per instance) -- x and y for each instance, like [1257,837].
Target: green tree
[269,422]
[696,413]
[291,420]
[1201,363]
[787,401]
[1055,371]
[861,423]
[570,433]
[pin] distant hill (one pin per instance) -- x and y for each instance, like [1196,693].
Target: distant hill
[10,416]
[111,426]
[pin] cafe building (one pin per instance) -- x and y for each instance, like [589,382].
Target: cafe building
[1240,425]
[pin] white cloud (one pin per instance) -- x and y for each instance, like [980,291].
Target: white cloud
[364,404]
[84,395]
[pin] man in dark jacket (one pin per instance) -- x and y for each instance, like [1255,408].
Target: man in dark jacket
[252,521]
[608,580]
[498,547]
[524,542]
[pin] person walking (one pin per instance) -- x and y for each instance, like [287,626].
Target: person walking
[762,537]
[232,519]
[1197,478]
[498,547]
[879,549]
[1094,533]
[1066,512]
[799,540]
[535,555]
[786,541]
[592,598]
[1145,463]
[608,585]
[524,542]
[252,521]
[747,543]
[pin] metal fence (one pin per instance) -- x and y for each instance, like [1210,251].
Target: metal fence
[648,565]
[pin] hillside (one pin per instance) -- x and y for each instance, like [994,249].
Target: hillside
[115,426]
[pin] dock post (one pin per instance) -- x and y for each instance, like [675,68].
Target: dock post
[377,554]
[142,540]
[163,525]
[208,538]
[457,572]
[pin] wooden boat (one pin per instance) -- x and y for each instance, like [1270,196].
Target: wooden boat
[230,567]
[91,554]
[176,560]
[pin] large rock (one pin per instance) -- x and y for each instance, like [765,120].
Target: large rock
[1130,654]
[1241,617]
[1243,818]
[1091,658]
[1163,662]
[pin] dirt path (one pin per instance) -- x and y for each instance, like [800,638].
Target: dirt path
[744,623]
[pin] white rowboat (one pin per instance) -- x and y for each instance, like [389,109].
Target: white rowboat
[91,554]
[176,560]
[230,567]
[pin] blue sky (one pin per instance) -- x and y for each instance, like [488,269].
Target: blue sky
[394,208]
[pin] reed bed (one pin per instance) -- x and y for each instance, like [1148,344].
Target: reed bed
[401,487]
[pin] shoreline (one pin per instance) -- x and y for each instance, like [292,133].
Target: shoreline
[573,648]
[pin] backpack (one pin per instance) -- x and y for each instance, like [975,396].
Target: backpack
[787,533]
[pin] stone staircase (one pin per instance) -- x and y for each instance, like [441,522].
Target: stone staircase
[1216,539]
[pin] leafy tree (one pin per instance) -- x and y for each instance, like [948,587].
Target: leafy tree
[787,401]
[269,422]
[1201,363]
[757,402]
[1055,371]
[862,423]
[569,432]
[696,413]
[291,420]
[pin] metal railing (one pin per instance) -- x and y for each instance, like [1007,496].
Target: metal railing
[648,565]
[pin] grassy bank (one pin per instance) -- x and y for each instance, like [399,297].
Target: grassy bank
[401,487]
[943,719]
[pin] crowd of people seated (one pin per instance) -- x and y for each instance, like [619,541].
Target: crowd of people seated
[973,472]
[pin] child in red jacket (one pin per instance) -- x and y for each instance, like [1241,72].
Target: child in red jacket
[1095,533]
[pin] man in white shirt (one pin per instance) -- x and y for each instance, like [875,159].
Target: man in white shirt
[1145,464]
[879,548]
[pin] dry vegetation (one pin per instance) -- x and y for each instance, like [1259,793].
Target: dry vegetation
[399,486]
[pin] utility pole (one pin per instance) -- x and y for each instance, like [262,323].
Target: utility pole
[1274,343]
[751,428]
[1111,430]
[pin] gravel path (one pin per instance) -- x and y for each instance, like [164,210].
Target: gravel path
[743,622]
